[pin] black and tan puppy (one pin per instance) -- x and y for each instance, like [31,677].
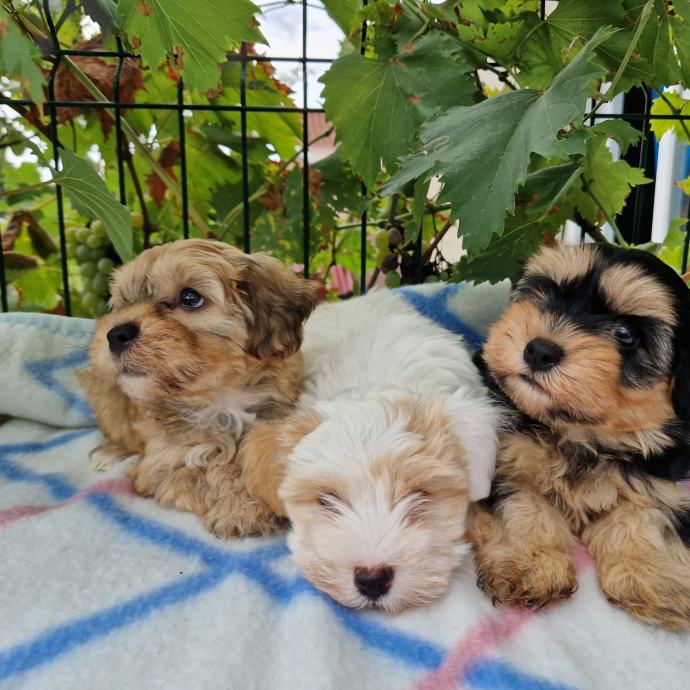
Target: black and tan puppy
[593,354]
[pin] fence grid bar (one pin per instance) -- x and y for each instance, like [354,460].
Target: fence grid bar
[119,140]
[363,190]
[306,221]
[640,191]
[218,108]
[56,158]
[246,228]
[4,302]
[686,246]
[183,158]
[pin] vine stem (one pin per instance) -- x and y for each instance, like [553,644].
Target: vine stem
[134,138]
[234,212]
[641,23]
[142,202]
[27,189]
[403,216]
[616,230]
[437,239]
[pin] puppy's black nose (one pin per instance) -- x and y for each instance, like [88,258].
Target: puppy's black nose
[541,354]
[120,337]
[373,582]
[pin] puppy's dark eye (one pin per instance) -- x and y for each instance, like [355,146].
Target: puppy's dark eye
[328,501]
[190,299]
[627,337]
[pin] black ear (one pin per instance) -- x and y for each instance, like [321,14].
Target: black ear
[680,397]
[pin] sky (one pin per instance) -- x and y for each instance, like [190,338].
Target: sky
[282,26]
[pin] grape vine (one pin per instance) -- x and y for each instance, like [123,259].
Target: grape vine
[463,118]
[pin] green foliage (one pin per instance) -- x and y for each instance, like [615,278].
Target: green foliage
[670,103]
[196,35]
[504,132]
[17,57]
[605,183]
[467,116]
[378,121]
[90,197]
[674,245]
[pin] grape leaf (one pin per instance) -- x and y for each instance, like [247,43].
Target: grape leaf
[375,122]
[674,244]
[538,202]
[503,258]
[282,130]
[483,151]
[339,188]
[199,33]
[501,38]
[90,197]
[39,288]
[671,104]
[437,58]
[378,120]
[605,183]
[17,55]
[572,23]
[620,130]
[666,40]
[343,13]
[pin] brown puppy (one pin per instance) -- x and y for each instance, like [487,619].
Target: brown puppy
[593,354]
[202,340]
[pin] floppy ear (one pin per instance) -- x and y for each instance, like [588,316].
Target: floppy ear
[680,397]
[264,452]
[476,424]
[278,302]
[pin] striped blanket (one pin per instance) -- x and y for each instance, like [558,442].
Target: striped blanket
[101,589]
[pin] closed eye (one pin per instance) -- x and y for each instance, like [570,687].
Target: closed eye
[329,501]
[416,503]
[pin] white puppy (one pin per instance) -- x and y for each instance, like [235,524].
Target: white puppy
[394,437]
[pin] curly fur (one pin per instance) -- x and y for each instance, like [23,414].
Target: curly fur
[599,441]
[393,438]
[184,392]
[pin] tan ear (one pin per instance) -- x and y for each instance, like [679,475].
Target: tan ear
[264,452]
[278,302]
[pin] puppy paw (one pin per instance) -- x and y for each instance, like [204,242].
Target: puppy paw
[107,455]
[184,489]
[652,597]
[529,582]
[229,518]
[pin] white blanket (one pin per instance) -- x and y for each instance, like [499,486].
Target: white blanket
[101,589]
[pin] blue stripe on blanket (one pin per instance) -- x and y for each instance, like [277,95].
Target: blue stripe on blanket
[435,307]
[497,675]
[220,563]
[43,371]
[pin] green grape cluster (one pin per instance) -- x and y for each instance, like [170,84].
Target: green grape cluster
[90,247]
[387,259]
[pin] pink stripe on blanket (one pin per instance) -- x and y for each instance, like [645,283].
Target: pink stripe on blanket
[485,636]
[479,640]
[107,486]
